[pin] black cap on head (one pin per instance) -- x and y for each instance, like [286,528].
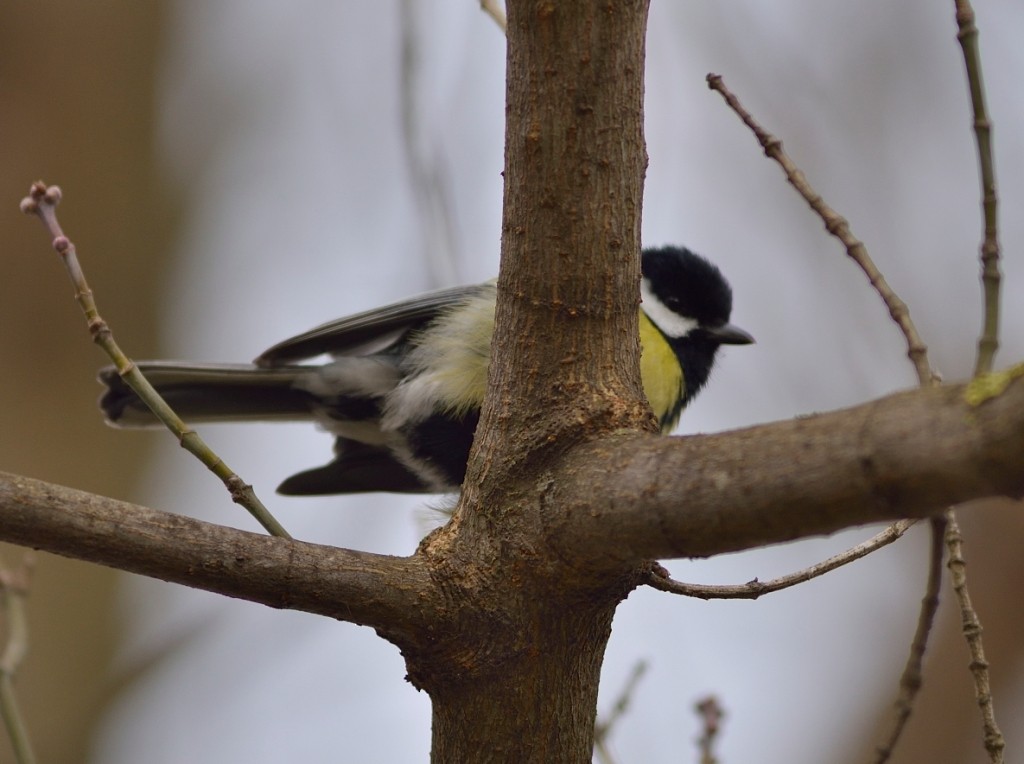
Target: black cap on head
[688,284]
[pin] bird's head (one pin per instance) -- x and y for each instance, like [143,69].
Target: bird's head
[689,301]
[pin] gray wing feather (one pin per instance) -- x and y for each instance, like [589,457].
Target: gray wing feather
[367,332]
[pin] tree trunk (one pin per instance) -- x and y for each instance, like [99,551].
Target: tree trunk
[538,705]
[515,679]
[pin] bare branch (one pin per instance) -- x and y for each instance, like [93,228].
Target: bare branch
[916,351]
[971,625]
[42,202]
[644,497]
[660,579]
[631,498]
[967,34]
[988,344]
[367,589]
[837,225]
[910,680]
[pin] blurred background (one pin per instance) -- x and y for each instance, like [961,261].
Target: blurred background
[237,172]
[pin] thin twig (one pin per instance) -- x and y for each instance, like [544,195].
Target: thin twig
[660,579]
[917,352]
[603,729]
[967,35]
[14,586]
[42,202]
[711,715]
[913,676]
[988,344]
[971,627]
[837,225]
[492,9]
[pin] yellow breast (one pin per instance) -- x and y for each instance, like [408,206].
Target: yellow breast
[661,373]
[454,363]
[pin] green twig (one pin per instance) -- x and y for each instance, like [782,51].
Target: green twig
[988,344]
[967,35]
[42,202]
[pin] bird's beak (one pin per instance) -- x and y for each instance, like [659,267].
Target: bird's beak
[728,334]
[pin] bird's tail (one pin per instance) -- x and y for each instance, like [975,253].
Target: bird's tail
[209,393]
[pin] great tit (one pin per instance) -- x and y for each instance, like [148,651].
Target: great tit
[403,386]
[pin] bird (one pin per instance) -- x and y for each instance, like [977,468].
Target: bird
[402,385]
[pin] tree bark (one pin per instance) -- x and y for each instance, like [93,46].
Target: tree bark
[519,682]
[611,503]
[910,454]
[368,589]
[565,352]
[539,704]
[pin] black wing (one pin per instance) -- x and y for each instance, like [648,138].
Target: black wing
[367,332]
[357,468]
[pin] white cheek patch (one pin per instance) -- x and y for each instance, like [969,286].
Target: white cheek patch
[671,323]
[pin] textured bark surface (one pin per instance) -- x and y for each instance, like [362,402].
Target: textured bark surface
[503,618]
[614,503]
[568,288]
[519,682]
